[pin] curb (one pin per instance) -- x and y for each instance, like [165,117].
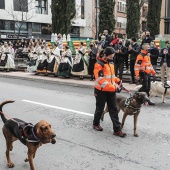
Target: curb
[59,81]
[48,81]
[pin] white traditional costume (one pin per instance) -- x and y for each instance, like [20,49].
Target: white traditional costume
[66,64]
[7,59]
[34,59]
[80,64]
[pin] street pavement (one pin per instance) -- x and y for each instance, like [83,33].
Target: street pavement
[69,109]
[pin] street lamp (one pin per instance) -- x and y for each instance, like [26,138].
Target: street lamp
[97,7]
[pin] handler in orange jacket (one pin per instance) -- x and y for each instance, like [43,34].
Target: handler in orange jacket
[105,90]
[143,70]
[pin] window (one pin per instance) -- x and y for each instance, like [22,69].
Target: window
[22,26]
[21,5]
[2,4]
[41,6]
[7,26]
[46,29]
[121,7]
[119,24]
[75,31]
[36,28]
[82,9]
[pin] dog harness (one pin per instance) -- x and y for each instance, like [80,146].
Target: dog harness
[27,132]
[166,86]
[128,105]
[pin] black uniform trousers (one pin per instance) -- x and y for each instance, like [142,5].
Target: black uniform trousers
[146,82]
[132,71]
[101,98]
[119,66]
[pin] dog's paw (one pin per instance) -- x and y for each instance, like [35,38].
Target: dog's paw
[10,165]
[136,135]
[26,160]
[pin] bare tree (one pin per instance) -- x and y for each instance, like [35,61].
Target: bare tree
[21,12]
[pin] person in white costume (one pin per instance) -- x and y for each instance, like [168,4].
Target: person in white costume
[80,63]
[7,59]
[66,63]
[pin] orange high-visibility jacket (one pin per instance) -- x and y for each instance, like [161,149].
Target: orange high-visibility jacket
[105,76]
[143,63]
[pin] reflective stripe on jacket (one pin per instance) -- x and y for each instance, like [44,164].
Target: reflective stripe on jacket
[143,63]
[105,76]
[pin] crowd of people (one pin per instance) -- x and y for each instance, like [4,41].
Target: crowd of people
[42,59]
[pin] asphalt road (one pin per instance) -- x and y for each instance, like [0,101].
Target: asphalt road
[70,111]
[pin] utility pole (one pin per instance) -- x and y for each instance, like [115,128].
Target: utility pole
[97,17]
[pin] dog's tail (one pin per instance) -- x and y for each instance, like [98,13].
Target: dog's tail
[4,119]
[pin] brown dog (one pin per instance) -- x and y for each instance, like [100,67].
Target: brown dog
[130,106]
[30,135]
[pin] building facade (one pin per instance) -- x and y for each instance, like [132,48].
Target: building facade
[28,18]
[120,17]
[82,23]
[33,19]
[165,17]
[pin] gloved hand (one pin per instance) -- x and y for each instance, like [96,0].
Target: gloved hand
[119,87]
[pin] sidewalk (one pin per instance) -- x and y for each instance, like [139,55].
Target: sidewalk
[73,81]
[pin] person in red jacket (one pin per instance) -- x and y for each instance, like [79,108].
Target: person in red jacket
[115,39]
[105,90]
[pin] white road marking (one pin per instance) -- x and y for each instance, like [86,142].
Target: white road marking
[56,107]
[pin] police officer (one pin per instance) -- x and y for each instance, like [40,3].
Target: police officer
[105,91]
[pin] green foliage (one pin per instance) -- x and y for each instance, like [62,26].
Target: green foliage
[106,15]
[133,18]
[62,13]
[154,16]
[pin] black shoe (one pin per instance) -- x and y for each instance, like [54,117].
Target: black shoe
[151,103]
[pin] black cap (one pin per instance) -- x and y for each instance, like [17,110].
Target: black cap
[108,51]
